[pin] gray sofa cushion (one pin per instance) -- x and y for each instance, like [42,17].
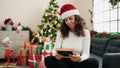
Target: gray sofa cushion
[113,46]
[108,49]
[111,60]
[98,45]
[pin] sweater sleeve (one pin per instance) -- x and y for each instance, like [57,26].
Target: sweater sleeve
[86,46]
[58,42]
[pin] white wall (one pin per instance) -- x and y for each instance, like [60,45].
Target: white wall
[30,12]
[84,6]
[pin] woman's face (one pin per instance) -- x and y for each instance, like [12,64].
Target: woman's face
[70,21]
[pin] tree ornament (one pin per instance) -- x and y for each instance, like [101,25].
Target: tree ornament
[55,22]
[49,18]
[54,15]
[49,30]
[46,14]
[58,25]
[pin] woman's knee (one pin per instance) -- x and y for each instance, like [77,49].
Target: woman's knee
[93,62]
[49,58]
[52,62]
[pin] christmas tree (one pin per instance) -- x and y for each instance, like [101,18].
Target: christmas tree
[50,21]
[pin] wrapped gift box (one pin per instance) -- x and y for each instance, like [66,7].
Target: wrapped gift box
[22,56]
[22,60]
[46,53]
[33,49]
[40,64]
[32,58]
[39,49]
[23,52]
[25,45]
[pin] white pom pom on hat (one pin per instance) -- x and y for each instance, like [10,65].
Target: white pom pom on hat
[68,10]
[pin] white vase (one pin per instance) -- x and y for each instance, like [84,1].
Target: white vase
[8,27]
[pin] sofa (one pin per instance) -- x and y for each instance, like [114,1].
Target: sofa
[106,51]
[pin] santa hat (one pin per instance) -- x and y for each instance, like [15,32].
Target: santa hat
[68,10]
[19,24]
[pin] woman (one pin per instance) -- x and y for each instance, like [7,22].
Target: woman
[72,35]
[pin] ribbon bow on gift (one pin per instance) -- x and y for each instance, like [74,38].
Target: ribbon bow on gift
[36,58]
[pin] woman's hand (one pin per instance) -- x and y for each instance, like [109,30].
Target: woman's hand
[58,56]
[76,57]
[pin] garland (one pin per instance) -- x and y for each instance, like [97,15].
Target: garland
[114,2]
[105,35]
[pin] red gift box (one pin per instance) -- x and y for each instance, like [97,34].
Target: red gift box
[21,60]
[25,45]
[22,57]
[41,65]
[46,53]
[33,49]
[32,58]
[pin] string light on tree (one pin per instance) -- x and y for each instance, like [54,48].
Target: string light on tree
[50,21]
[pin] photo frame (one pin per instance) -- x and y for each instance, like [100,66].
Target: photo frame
[65,52]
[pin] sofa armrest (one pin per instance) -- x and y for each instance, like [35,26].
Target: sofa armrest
[111,60]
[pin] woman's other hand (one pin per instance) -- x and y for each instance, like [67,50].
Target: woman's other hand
[76,57]
[58,56]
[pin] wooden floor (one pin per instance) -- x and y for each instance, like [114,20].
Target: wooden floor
[16,67]
[2,65]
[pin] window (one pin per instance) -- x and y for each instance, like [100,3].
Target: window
[119,26]
[106,18]
[113,14]
[106,27]
[113,26]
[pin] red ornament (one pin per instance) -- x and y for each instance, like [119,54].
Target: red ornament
[104,34]
[19,24]
[8,21]
[92,32]
[54,15]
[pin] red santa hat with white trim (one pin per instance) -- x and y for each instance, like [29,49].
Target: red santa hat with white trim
[68,10]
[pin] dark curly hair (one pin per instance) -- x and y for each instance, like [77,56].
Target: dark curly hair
[79,27]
